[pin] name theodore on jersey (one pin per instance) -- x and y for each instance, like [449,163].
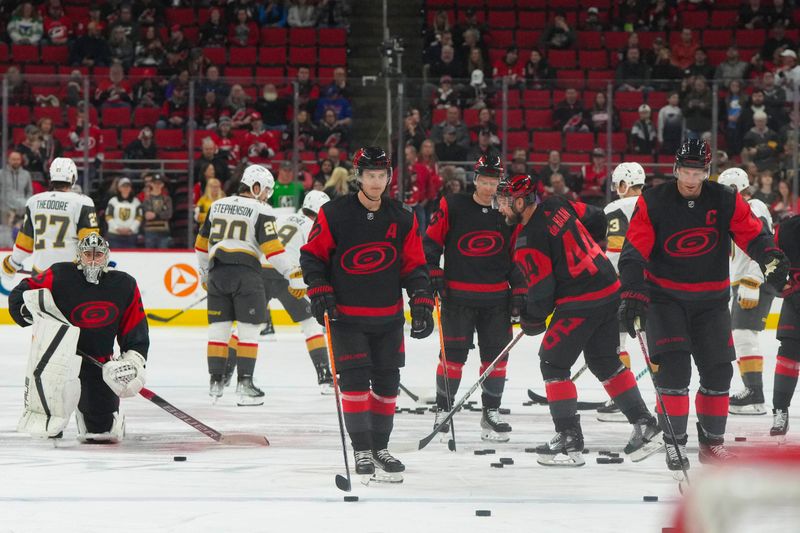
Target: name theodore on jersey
[52,205]
[229,209]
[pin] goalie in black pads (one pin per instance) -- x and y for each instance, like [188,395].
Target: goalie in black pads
[81,306]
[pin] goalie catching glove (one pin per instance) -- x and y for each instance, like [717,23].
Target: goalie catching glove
[125,375]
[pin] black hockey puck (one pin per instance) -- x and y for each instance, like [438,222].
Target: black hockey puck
[483,512]
[479,452]
[179,458]
[497,465]
[603,452]
[609,460]
[650,498]
[507,460]
[533,450]
[351,498]
[489,451]
[740,439]
[527,404]
[504,411]
[612,454]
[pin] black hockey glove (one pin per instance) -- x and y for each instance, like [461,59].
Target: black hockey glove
[532,325]
[518,303]
[437,280]
[633,311]
[322,299]
[776,269]
[421,304]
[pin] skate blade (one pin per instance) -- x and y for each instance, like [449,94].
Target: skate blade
[569,460]
[382,478]
[250,402]
[612,417]
[493,436]
[748,410]
[655,445]
[326,390]
[215,399]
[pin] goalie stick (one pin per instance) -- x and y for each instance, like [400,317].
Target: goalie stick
[157,318]
[232,439]
[582,406]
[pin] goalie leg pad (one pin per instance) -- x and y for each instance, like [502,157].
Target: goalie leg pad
[115,433]
[52,385]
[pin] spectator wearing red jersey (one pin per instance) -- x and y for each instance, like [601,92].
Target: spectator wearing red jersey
[509,69]
[227,145]
[175,111]
[86,137]
[260,144]
[115,91]
[683,50]
[594,177]
[57,26]
[416,187]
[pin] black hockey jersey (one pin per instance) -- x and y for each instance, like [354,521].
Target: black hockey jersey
[367,257]
[563,265]
[787,236]
[111,309]
[478,248]
[680,247]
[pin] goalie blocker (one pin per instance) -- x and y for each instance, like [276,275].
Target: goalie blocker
[81,307]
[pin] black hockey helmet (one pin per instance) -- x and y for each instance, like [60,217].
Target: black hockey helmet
[372,158]
[694,153]
[519,186]
[491,166]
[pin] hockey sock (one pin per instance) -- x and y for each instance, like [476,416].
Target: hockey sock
[712,410]
[453,381]
[494,384]
[233,344]
[562,398]
[356,408]
[246,354]
[217,354]
[751,368]
[382,414]
[625,359]
[624,356]
[621,387]
[317,350]
[787,370]
[677,403]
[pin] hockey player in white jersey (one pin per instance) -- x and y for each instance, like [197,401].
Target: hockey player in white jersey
[627,181]
[293,232]
[238,232]
[54,223]
[750,306]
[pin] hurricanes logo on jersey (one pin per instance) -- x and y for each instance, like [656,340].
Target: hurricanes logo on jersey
[97,314]
[692,242]
[480,243]
[181,280]
[369,258]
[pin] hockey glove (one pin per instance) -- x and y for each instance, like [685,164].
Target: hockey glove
[10,268]
[297,287]
[518,303]
[322,300]
[633,311]
[203,278]
[421,304]
[776,269]
[437,280]
[125,375]
[747,293]
[532,325]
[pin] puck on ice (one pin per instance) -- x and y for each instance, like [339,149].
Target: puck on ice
[497,465]
[479,452]
[740,439]
[351,498]
[483,512]
[507,460]
[488,451]
[650,498]
[179,458]
[609,460]
[533,450]
[504,411]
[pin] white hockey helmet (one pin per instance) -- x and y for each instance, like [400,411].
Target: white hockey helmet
[736,178]
[64,170]
[314,200]
[631,173]
[258,174]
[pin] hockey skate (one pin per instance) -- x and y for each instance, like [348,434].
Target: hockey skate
[268,332]
[493,428]
[780,423]
[564,449]
[610,413]
[114,435]
[712,449]
[677,460]
[747,402]
[364,464]
[216,387]
[444,430]
[646,439]
[324,380]
[387,468]
[249,394]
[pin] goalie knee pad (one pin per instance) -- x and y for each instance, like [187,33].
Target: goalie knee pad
[113,435]
[745,341]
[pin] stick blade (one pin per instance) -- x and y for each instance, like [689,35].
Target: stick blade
[589,406]
[537,397]
[157,318]
[342,483]
[451,445]
[244,439]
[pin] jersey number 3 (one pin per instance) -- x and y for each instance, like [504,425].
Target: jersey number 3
[41,222]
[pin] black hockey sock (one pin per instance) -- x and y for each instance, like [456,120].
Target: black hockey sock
[494,384]
[355,405]
[712,410]
[381,409]
[317,350]
[453,381]
[786,374]
[246,353]
[677,404]
[217,356]
[621,387]
[751,368]
[562,399]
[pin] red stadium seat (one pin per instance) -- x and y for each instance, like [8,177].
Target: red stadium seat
[575,79]
[55,54]
[590,40]
[527,39]
[532,20]
[272,55]
[128,135]
[333,56]
[724,18]
[579,142]
[169,139]
[114,117]
[439,115]
[545,141]
[628,100]
[19,115]
[3,52]
[593,59]
[537,98]
[657,99]
[514,119]
[694,19]
[110,138]
[614,40]
[72,115]
[240,73]
[146,116]
[627,118]
[619,142]
[518,139]
[180,15]
[243,55]
[25,53]
[302,56]
[215,54]
[53,113]
[597,80]
[502,38]
[471,117]
[562,59]
[332,37]
[302,37]
[269,73]
[539,119]
[274,36]
[502,19]
[751,38]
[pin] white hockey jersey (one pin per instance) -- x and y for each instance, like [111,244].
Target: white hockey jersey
[124,214]
[618,216]
[54,223]
[293,232]
[242,231]
[741,264]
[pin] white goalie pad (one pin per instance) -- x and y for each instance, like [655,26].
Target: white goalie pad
[52,385]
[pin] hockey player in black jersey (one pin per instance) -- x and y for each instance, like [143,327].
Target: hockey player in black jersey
[568,275]
[675,285]
[480,290]
[81,305]
[363,249]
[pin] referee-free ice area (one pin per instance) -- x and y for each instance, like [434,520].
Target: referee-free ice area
[289,486]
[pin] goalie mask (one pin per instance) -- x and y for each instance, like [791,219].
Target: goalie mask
[93,257]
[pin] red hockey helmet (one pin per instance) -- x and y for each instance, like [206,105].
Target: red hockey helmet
[491,166]
[371,158]
[520,186]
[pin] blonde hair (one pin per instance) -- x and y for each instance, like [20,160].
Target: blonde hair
[339,180]
[207,191]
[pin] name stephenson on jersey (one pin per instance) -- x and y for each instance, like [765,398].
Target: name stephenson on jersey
[54,223]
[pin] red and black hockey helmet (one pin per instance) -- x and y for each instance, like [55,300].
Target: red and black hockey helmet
[694,153]
[372,158]
[490,165]
[520,186]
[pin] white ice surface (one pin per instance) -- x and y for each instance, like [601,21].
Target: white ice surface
[289,486]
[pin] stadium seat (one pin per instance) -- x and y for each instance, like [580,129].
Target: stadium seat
[628,100]
[593,59]
[215,54]
[562,59]
[532,20]
[518,139]
[333,56]
[302,37]
[25,53]
[575,79]
[717,38]
[55,54]
[536,99]
[332,37]
[502,38]
[269,73]
[751,38]
[72,115]
[272,55]
[545,141]
[169,139]
[539,119]
[514,118]
[127,136]
[53,113]
[180,15]
[302,56]
[597,80]
[3,52]
[274,36]
[579,142]
[246,55]
[241,73]
[19,115]
[724,18]
[471,117]
[619,141]
[615,40]
[590,40]
[694,19]
[110,138]
[146,116]
[627,118]
[114,117]
[526,39]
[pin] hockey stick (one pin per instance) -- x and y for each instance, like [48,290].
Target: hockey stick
[451,444]
[424,442]
[582,406]
[240,439]
[409,393]
[642,343]
[157,318]
[341,482]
